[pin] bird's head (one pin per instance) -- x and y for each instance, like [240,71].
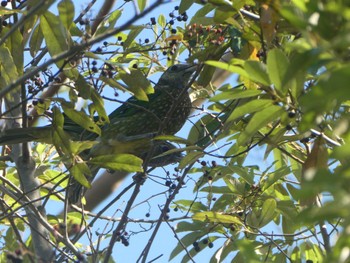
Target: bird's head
[177,76]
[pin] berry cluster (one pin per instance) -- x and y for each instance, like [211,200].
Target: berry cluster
[4,3]
[123,237]
[35,84]
[107,70]
[207,172]
[205,241]
[200,35]
[173,39]
[179,17]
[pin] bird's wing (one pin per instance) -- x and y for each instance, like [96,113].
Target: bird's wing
[133,106]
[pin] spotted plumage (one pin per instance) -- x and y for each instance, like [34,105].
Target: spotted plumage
[131,126]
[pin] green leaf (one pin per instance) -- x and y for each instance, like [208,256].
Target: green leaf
[250,107]
[194,206]
[81,119]
[224,16]
[185,5]
[218,190]
[277,64]
[257,72]
[35,41]
[66,12]
[142,4]
[187,240]
[228,247]
[173,138]
[8,68]
[275,176]
[190,158]
[15,44]
[132,35]
[60,138]
[119,162]
[243,173]
[235,94]
[99,105]
[137,83]
[79,171]
[232,68]
[222,3]
[82,86]
[185,226]
[109,23]
[215,217]
[267,212]
[162,20]
[4,11]
[55,35]
[80,146]
[258,121]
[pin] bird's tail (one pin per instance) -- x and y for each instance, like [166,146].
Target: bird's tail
[21,135]
[76,191]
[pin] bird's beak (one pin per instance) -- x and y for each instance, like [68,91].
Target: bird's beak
[191,69]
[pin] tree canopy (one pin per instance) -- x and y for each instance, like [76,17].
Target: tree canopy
[264,165]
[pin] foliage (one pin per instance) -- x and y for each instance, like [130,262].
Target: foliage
[266,156]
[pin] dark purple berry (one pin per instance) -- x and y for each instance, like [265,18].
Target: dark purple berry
[4,3]
[173,31]
[289,127]
[291,114]
[153,21]
[210,245]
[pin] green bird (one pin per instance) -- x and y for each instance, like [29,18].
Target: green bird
[133,124]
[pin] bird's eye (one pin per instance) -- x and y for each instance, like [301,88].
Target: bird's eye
[165,148]
[174,68]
